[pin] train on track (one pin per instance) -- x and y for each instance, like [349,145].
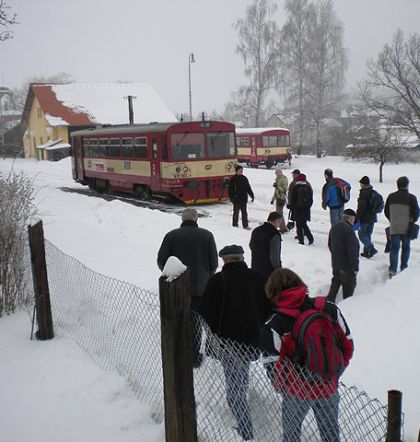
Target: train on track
[263,145]
[190,162]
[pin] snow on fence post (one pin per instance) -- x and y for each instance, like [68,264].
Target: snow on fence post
[40,279]
[176,333]
[394,416]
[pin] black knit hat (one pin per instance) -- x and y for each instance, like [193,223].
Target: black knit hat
[296,171]
[364,180]
[231,250]
[350,212]
[237,167]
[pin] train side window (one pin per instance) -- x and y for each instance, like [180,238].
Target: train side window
[243,142]
[103,145]
[127,148]
[114,149]
[93,147]
[154,149]
[140,147]
[86,150]
[269,141]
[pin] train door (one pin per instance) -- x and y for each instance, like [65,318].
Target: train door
[253,144]
[78,159]
[155,162]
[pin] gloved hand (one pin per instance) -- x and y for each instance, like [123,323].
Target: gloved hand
[289,206]
[324,206]
[275,185]
[272,202]
[252,200]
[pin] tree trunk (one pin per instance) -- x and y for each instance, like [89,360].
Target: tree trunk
[381,165]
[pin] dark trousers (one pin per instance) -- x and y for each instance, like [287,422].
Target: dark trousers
[365,236]
[344,278]
[240,207]
[303,230]
[396,240]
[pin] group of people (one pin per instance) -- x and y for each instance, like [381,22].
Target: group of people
[251,306]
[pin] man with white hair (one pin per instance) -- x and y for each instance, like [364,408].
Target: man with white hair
[194,247]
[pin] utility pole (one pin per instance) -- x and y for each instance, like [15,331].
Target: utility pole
[130,99]
[190,60]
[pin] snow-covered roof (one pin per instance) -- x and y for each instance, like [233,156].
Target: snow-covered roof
[54,145]
[91,104]
[256,130]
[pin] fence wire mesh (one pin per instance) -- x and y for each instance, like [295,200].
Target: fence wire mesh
[118,325]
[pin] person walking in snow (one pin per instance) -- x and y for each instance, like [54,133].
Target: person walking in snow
[331,196]
[194,247]
[300,203]
[235,307]
[401,207]
[280,196]
[238,190]
[366,217]
[300,389]
[265,245]
[344,248]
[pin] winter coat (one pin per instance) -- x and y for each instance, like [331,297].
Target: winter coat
[299,213]
[401,207]
[194,247]
[272,343]
[234,304]
[280,194]
[239,189]
[330,196]
[265,245]
[364,213]
[344,247]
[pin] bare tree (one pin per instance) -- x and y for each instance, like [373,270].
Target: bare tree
[392,89]
[295,51]
[328,62]
[16,207]
[376,142]
[6,19]
[258,47]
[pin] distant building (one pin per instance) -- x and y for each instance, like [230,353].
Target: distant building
[53,111]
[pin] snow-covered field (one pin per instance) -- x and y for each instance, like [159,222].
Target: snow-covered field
[121,240]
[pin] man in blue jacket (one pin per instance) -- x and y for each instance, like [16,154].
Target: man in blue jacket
[331,196]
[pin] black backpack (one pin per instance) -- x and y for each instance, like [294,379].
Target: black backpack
[303,196]
[376,202]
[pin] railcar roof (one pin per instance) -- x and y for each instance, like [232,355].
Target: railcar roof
[126,129]
[257,130]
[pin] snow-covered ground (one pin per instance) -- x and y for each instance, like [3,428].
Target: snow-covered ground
[121,240]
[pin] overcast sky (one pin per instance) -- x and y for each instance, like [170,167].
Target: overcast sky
[150,41]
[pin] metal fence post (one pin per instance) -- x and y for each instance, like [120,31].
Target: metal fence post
[175,313]
[40,279]
[394,416]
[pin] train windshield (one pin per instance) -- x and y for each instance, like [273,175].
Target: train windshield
[221,144]
[187,146]
[276,140]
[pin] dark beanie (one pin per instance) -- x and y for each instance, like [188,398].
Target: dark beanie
[237,167]
[364,180]
[350,212]
[231,250]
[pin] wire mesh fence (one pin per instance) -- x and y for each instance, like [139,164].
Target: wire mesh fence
[237,396]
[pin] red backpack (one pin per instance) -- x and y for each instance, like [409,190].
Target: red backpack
[316,341]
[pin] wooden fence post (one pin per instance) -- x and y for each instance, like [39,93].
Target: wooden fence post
[40,279]
[394,416]
[175,314]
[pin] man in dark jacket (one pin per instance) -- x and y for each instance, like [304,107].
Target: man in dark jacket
[366,217]
[265,245]
[300,203]
[401,207]
[239,189]
[194,247]
[235,307]
[344,248]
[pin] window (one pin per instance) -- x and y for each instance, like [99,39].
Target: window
[187,146]
[86,147]
[103,147]
[127,147]
[140,147]
[269,141]
[221,144]
[39,112]
[114,150]
[243,142]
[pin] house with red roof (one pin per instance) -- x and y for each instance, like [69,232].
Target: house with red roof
[53,111]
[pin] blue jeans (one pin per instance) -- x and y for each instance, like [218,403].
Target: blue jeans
[325,411]
[336,215]
[395,248]
[237,380]
[365,235]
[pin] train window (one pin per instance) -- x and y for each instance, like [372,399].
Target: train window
[86,150]
[114,149]
[127,147]
[243,142]
[140,147]
[270,141]
[221,144]
[187,146]
[284,140]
